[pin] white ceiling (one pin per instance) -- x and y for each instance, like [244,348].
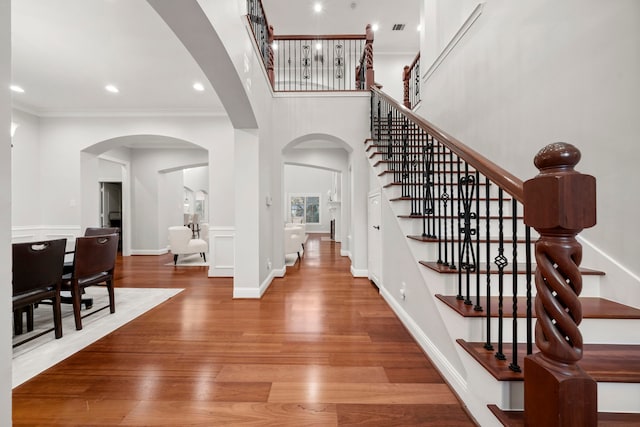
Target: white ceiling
[64,52]
[350,17]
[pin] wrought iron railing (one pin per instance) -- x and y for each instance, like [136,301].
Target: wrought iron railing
[260,27]
[311,63]
[472,211]
[411,81]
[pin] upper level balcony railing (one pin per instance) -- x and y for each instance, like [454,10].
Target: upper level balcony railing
[411,80]
[312,62]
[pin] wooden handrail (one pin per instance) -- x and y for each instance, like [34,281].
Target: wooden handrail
[321,37]
[504,179]
[415,61]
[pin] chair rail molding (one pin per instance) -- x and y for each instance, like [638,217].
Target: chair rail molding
[454,41]
[221,251]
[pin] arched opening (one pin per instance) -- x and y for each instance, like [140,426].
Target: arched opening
[315,172]
[152,179]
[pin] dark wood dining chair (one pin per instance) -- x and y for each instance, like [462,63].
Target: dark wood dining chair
[68,264]
[37,274]
[94,263]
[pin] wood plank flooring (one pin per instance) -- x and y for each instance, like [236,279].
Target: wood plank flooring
[321,348]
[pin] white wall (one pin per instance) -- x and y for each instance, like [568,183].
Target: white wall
[109,171]
[25,160]
[336,160]
[72,202]
[153,190]
[530,73]
[341,119]
[5,213]
[389,69]
[311,181]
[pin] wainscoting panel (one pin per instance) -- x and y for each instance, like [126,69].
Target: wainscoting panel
[221,251]
[33,233]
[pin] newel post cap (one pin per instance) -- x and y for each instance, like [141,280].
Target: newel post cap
[559,197]
[369,33]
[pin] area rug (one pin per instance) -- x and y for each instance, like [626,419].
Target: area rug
[39,354]
[192,260]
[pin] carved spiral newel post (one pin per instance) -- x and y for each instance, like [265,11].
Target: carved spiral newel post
[406,75]
[559,203]
[368,52]
[270,62]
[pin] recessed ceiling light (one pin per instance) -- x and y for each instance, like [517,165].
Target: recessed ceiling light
[16,88]
[317,7]
[111,88]
[318,46]
[375,27]
[419,28]
[274,46]
[198,86]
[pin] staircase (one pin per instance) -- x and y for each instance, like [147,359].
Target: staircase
[464,224]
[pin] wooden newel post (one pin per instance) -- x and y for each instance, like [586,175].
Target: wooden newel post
[559,203]
[270,63]
[406,75]
[368,49]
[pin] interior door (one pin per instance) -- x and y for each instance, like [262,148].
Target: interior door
[374,258]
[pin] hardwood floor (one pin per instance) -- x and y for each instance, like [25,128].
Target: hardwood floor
[321,348]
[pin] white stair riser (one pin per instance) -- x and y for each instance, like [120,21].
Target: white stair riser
[594,331]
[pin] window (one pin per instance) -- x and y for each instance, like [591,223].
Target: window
[306,207]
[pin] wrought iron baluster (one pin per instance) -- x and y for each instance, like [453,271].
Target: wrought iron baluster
[514,364]
[427,178]
[452,216]
[487,344]
[439,185]
[445,201]
[478,306]
[466,255]
[501,262]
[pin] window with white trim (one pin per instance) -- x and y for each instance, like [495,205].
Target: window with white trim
[305,206]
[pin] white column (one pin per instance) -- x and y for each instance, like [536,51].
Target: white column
[246,282]
[359,192]
[5,213]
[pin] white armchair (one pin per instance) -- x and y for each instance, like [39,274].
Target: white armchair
[181,243]
[300,225]
[293,240]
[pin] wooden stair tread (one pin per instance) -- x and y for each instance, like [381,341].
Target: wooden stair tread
[455,199]
[444,269]
[618,363]
[608,419]
[506,217]
[592,307]
[429,239]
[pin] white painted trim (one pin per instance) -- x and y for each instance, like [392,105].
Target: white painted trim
[217,235]
[248,293]
[161,251]
[454,41]
[131,113]
[345,252]
[359,272]
[603,254]
[327,94]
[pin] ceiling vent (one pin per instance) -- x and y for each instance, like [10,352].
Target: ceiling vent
[398,27]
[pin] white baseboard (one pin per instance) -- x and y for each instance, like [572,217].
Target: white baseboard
[344,252]
[358,272]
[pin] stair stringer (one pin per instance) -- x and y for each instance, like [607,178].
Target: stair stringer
[427,325]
